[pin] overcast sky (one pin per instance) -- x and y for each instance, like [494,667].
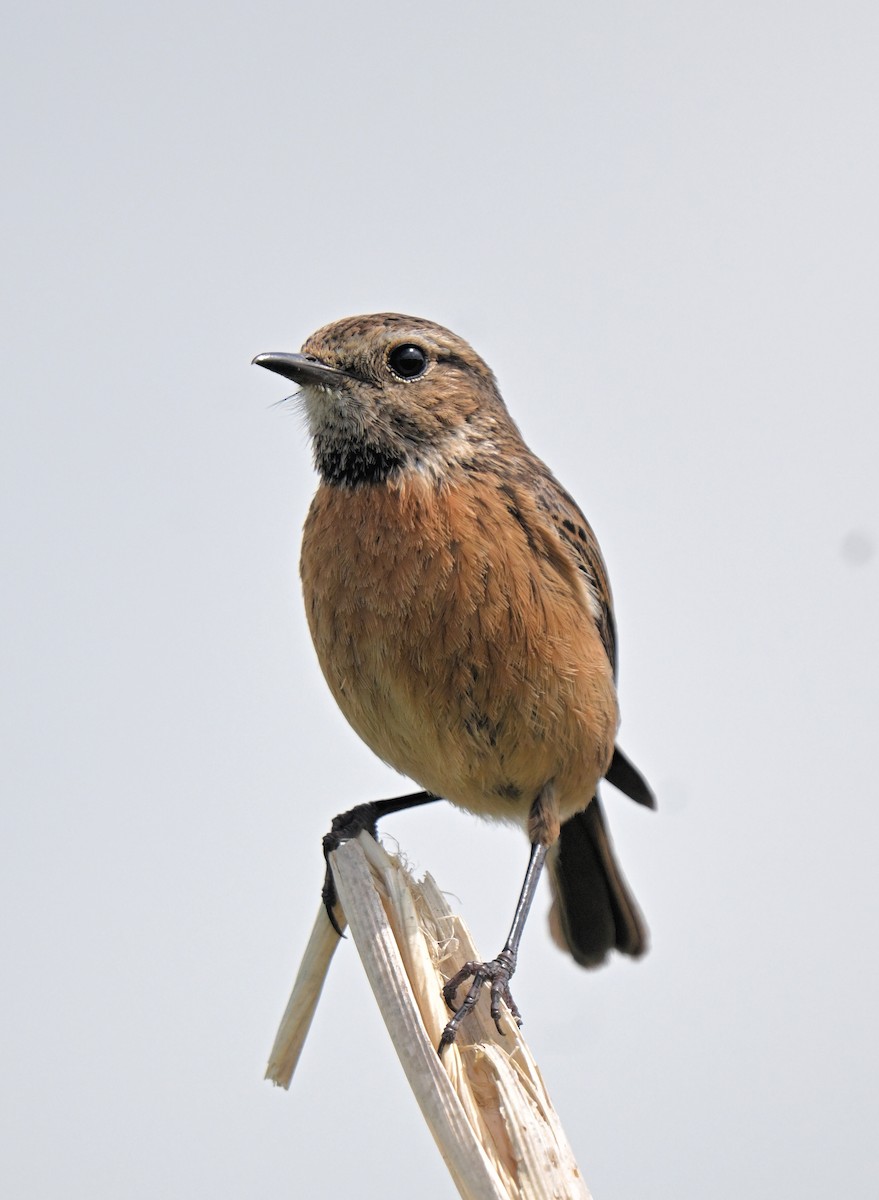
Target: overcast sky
[658,224]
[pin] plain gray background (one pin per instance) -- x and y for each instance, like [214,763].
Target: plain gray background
[658,225]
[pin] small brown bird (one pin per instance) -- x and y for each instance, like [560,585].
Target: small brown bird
[462,616]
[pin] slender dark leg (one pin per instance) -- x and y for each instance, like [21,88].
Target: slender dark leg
[349,824]
[500,970]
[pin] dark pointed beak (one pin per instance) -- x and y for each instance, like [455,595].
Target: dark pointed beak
[301,368]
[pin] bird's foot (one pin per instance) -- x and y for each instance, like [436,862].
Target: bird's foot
[498,973]
[345,826]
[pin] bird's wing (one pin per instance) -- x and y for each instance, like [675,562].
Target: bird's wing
[626,778]
[582,545]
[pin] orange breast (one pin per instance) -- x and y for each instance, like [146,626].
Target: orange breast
[458,642]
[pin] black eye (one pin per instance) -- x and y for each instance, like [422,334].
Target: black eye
[407,361]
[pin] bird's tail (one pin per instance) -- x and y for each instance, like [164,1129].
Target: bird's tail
[593,910]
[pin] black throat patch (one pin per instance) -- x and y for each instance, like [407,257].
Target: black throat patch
[350,463]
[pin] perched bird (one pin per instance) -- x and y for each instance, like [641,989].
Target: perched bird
[462,616]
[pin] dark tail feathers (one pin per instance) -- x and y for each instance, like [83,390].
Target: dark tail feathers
[593,910]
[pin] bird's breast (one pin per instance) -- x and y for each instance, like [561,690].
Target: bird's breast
[457,641]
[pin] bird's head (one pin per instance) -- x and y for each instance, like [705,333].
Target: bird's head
[387,393]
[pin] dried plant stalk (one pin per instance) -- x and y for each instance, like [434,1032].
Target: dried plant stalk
[484,1101]
[301,1006]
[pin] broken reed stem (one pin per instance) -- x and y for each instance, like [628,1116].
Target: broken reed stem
[302,1004]
[484,1101]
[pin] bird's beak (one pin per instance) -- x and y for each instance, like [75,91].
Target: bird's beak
[301,368]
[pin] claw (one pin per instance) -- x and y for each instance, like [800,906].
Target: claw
[330,900]
[497,973]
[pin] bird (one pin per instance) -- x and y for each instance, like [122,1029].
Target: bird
[462,616]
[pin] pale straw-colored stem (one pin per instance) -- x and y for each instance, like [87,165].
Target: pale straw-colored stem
[484,1101]
[301,1006]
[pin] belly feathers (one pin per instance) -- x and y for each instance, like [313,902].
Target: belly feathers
[459,655]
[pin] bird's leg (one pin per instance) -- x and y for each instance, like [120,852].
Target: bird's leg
[349,824]
[543,831]
[500,970]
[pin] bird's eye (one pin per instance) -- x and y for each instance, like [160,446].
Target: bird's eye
[407,361]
